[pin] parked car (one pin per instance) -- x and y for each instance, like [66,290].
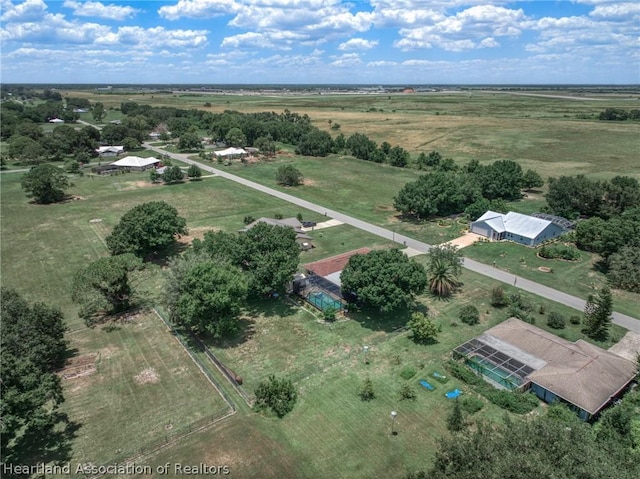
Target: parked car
[309,224]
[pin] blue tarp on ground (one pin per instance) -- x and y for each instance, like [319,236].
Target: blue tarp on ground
[425,384]
[453,394]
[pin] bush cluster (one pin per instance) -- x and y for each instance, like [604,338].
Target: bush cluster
[559,251]
[518,403]
[471,405]
[555,320]
[469,314]
[276,394]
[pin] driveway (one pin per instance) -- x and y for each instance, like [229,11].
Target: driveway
[465,240]
[628,347]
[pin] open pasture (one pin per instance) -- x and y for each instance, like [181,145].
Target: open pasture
[129,402]
[554,135]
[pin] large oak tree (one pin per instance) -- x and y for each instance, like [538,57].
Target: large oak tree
[147,229]
[383,279]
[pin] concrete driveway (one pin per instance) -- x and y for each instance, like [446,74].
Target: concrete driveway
[465,240]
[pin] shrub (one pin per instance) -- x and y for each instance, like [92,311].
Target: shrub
[463,373]
[498,297]
[575,319]
[559,251]
[471,405]
[194,172]
[424,329]
[408,372]
[288,175]
[520,302]
[469,314]
[248,219]
[555,320]
[329,314]
[515,402]
[276,394]
[407,391]
[365,391]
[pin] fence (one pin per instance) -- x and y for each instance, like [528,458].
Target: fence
[167,439]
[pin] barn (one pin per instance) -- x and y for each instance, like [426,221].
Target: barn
[524,229]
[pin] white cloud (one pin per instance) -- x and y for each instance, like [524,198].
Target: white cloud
[198,9]
[157,37]
[28,11]
[346,60]
[489,42]
[614,11]
[357,44]
[98,9]
[468,29]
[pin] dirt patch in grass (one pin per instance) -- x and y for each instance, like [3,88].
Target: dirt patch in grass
[195,233]
[134,185]
[147,376]
[308,182]
[79,366]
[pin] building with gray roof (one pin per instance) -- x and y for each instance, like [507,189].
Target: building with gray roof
[515,354]
[523,229]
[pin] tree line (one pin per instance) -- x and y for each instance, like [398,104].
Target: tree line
[609,224]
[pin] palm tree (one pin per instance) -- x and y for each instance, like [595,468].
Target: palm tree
[442,278]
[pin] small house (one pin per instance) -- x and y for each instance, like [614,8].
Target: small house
[109,151]
[135,163]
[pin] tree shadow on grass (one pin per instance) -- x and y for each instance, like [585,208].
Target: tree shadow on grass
[377,320]
[601,266]
[246,330]
[50,445]
[162,258]
[270,307]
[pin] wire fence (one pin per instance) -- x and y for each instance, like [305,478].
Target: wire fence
[162,442]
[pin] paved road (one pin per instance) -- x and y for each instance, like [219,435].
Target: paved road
[623,320]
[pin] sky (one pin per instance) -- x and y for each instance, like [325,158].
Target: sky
[402,42]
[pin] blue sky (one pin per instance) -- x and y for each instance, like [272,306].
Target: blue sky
[320,41]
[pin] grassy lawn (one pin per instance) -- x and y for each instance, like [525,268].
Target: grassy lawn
[579,278]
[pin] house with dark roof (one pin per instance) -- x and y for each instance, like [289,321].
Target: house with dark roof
[302,238]
[523,229]
[518,355]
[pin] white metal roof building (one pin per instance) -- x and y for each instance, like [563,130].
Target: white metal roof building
[233,152]
[136,162]
[516,227]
